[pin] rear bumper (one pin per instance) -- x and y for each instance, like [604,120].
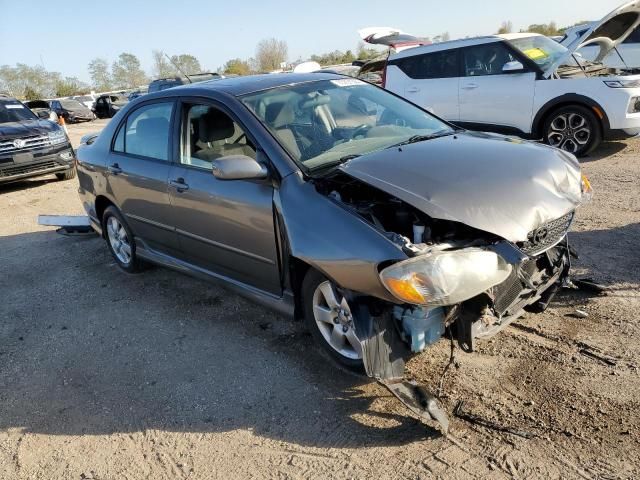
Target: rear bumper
[42,164]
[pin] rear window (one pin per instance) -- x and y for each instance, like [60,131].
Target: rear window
[444,64]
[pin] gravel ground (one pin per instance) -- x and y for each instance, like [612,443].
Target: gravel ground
[105,375]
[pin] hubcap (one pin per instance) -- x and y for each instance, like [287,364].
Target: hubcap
[569,132]
[118,240]
[335,322]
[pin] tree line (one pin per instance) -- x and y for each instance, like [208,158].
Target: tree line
[550,29]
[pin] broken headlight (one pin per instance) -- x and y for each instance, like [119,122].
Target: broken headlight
[445,277]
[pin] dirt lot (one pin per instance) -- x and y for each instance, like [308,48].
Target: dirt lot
[104,375]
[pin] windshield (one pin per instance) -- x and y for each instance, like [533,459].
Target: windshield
[15,112]
[329,121]
[71,104]
[542,50]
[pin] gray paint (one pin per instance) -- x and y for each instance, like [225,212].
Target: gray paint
[493,183]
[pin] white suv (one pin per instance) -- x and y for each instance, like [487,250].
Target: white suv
[527,84]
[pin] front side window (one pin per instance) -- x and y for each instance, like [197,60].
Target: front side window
[442,64]
[325,122]
[209,133]
[486,59]
[146,132]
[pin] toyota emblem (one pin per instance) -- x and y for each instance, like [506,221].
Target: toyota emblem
[540,235]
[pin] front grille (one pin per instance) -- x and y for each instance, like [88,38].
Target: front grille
[28,143]
[546,236]
[28,168]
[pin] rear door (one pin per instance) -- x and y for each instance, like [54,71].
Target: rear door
[490,96]
[224,226]
[138,171]
[430,80]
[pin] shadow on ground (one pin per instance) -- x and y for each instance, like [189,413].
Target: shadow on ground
[88,349]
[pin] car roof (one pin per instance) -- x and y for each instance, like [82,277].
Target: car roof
[238,86]
[460,43]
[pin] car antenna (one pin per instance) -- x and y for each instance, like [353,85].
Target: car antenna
[177,67]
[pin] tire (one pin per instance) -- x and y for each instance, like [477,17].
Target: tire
[332,330]
[573,128]
[120,240]
[67,175]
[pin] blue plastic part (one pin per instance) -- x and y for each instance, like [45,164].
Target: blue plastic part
[423,326]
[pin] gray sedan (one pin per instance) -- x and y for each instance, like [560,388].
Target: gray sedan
[337,202]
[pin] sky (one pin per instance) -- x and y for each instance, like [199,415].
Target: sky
[65,35]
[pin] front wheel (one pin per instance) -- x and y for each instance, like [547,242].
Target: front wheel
[574,129]
[67,175]
[328,316]
[120,241]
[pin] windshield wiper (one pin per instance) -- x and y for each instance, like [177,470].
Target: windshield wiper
[339,161]
[422,138]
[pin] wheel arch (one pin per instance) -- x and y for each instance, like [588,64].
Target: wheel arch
[565,101]
[102,202]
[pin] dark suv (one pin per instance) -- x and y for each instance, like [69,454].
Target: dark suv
[30,146]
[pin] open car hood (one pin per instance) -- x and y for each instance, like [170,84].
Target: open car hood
[505,186]
[608,33]
[391,37]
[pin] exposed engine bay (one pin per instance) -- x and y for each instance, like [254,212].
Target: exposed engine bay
[592,69]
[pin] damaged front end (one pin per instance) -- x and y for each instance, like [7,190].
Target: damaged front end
[471,282]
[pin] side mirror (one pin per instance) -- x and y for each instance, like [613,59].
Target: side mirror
[513,67]
[43,114]
[238,167]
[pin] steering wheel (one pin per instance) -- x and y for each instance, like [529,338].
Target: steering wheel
[360,130]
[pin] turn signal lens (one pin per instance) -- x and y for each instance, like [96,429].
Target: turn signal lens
[405,290]
[585,187]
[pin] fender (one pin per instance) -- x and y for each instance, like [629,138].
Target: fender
[568,99]
[348,250]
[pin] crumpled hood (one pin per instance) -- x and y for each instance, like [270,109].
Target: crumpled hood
[501,185]
[9,131]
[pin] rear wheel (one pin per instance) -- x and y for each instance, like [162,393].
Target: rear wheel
[120,240]
[574,129]
[67,175]
[328,316]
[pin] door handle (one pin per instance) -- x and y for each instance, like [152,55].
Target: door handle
[179,184]
[114,169]
[470,86]
[413,90]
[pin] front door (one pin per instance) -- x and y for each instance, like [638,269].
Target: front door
[224,226]
[432,81]
[138,170]
[490,96]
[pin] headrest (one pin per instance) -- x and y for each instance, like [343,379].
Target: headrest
[315,102]
[215,125]
[147,127]
[279,114]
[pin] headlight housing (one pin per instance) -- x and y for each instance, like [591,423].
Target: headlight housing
[622,83]
[57,137]
[445,277]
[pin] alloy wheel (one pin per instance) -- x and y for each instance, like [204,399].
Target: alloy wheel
[335,321]
[570,132]
[119,241]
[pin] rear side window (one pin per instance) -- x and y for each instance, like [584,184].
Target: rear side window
[146,132]
[431,65]
[487,59]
